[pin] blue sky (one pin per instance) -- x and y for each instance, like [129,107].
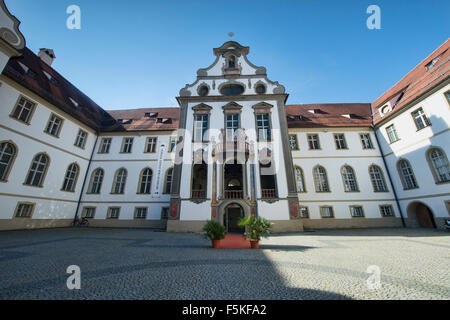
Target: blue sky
[134,54]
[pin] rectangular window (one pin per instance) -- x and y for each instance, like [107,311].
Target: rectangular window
[293,142]
[23,110]
[113,212]
[80,141]
[165,213]
[105,144]
[386,211]
[313,142]
[447,95]
[356,211]
[127,145]
[200,127]
[263,127]
[88,212]
[54,125]
[151,145]
[366,141]
[326,212]
[339,138]
[140,213]
[24,210]
[304,212]
[231,125]
[392,134]
[172,144]
[420,119]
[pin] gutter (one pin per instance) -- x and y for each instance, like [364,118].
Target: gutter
[387,171]
[85,178]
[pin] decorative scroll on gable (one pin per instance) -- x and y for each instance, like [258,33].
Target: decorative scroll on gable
[9,28]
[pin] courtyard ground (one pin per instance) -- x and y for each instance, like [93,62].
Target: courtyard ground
[145,264]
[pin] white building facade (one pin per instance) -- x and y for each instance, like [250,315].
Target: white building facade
[231,149]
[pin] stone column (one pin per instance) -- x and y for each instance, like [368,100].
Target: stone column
[251,159]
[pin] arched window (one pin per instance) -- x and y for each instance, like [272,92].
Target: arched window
[232,62]
[439,164]
[321,179]
[38,170]
[406,174]
[96,180]
[7,156]
[300,180]
[70,179]
[119,181]
[348,175]
[145,181]
[377,178]
[168,184]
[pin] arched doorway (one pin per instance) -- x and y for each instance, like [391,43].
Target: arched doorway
[233,213]
[422,214]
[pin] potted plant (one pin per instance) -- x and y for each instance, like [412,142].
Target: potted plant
[256,227]
[214,231]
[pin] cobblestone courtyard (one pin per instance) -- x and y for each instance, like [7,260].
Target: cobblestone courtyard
[144,264]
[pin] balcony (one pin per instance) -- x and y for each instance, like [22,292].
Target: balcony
[233,194]
[198,194]
[268,193]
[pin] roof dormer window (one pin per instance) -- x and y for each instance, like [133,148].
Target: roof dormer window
[350,115]
[315,111]
[74,103]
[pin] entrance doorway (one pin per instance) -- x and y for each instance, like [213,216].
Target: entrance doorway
[233,213]
[422,214]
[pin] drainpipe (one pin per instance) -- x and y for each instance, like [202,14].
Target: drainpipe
[85,178]
[387,171]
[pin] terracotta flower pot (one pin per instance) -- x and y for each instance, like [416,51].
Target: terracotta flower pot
[215,243]
[254,244]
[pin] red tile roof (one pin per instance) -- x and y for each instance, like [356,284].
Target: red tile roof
[169,119]
[416,82]
[330,115]
[57,91]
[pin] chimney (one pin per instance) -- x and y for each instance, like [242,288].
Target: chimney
[47,55]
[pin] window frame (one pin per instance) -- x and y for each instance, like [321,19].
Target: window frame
[12,159]
[297,148]
[301,214]
[423,118]
[268,136]
[354,178]
[383,180]
[303,179]
[108,214]
[50,120]
[326,180]
[204,128]
[124,144]
[141,175]
[24,203]
[395,133]
[357,206]
[381,206]
[84,211]
[369,139]
[166,175]
[434,170]
[75,179]
[122,184]
[336,141]
[147,144]
[91,181]
[83,145]
[44,173]
[30,113]
[308,135]
[321,212]
[136,209]
[102,142]
[411,174]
